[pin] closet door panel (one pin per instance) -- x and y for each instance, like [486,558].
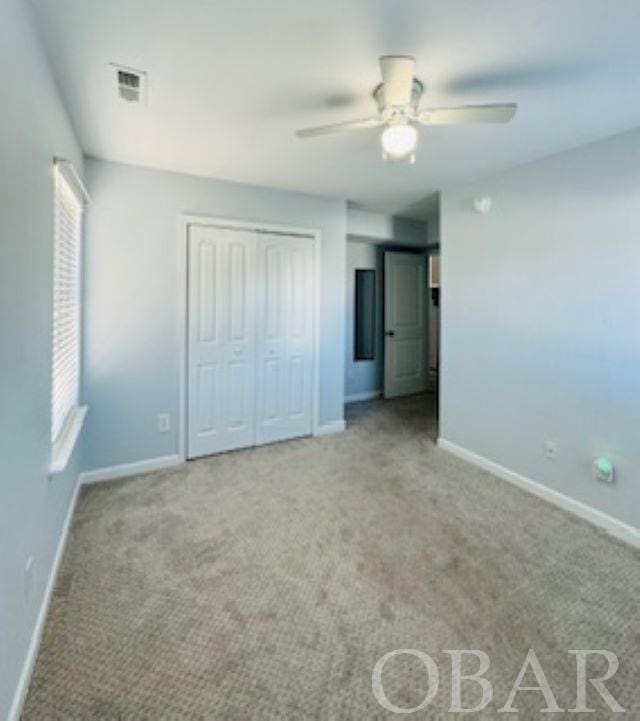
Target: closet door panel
[205,395]
[271,336]
[300,336]
[221,340]
[297,385]
[285,337]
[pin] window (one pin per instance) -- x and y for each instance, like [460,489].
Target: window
[365,315]
[66,415]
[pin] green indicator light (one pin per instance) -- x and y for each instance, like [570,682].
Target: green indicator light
[604,466]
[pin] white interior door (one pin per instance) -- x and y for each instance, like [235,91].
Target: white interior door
[405,359]
[221,340]
[285,292]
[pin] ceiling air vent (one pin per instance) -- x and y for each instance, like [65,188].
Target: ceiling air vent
[131,84]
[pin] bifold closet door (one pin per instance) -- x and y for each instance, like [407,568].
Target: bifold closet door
[285,293]
[221,340]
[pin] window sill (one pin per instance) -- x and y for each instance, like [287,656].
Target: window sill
[66,440]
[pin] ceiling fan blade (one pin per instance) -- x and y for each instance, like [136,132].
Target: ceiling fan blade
[397,78]
[496,113]
[339,127]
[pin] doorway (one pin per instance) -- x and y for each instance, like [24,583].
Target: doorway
[408,359]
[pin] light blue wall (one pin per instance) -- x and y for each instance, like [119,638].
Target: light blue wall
[132,366]
[363,376]
[379,227]
[33,128]
[433,225]
[541,321]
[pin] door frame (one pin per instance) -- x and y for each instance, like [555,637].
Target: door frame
[311,234]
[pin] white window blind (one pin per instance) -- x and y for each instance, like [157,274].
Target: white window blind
[65,387]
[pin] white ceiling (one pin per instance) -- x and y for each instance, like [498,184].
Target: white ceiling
[230,81]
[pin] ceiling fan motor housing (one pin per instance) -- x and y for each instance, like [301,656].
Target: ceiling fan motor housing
[417,89]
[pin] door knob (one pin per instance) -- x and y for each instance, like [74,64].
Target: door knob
[390,333]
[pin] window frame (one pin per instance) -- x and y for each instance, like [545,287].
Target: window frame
[65,429]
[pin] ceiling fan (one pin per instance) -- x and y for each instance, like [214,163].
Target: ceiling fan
[398,97]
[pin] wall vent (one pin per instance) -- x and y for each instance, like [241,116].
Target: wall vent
[131,84]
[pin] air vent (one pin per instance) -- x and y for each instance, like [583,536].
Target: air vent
[131,84]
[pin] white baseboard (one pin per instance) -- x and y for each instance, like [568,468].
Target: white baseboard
[129,469]
[367,396]
[36,636]
[328,428]
[619,529]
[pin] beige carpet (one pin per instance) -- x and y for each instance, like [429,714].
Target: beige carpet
[265,584]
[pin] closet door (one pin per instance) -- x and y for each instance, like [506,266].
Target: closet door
[221,340]
[285,287]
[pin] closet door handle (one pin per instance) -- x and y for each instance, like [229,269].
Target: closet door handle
[390,333]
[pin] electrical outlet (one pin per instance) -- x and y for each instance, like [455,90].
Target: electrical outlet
[28,577]
[551,450]
[164,422]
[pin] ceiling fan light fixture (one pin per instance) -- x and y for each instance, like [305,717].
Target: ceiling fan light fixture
[398,99]
[399,141]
